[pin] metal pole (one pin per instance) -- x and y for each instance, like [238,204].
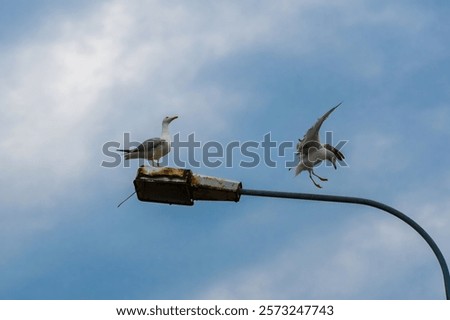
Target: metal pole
[367,202]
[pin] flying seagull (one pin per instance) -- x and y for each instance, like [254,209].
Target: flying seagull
[152,149]
[311,152]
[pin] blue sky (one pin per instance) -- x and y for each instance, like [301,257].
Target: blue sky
[77,74]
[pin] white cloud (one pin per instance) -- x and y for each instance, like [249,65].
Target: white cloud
[55,95]
[51,98]
[58,85]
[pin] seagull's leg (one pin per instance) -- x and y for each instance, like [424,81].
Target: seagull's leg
[315,183]
[323,179]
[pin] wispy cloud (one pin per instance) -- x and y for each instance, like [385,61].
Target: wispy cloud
[55,97]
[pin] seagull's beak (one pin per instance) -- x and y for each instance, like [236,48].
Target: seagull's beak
[173,118]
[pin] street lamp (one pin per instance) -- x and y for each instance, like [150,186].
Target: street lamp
[183,187]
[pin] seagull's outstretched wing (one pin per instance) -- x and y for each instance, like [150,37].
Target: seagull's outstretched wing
[311,138]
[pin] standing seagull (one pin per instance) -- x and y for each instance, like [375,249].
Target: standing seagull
[155,148]
[311,152]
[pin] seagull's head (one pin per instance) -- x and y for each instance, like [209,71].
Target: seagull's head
[334,155]
[333,161]
[169,119]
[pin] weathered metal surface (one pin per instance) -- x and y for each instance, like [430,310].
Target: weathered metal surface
[165,185]
[181,186]
[212,188]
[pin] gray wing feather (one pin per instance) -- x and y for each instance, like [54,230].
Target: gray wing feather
[148,145]
[311,138]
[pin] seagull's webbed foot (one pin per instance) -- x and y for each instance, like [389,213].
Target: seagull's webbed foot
[315,183]
[322,179]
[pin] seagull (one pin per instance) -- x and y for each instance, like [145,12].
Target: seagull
[311,152]
[152,149]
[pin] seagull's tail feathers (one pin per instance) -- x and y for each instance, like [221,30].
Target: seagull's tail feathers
[297,160]
[128,154]
[299,168]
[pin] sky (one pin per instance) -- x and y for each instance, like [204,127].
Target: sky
[79,74]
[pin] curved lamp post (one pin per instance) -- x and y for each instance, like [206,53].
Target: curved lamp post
[180,186]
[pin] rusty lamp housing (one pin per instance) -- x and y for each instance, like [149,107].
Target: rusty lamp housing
[181,186]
